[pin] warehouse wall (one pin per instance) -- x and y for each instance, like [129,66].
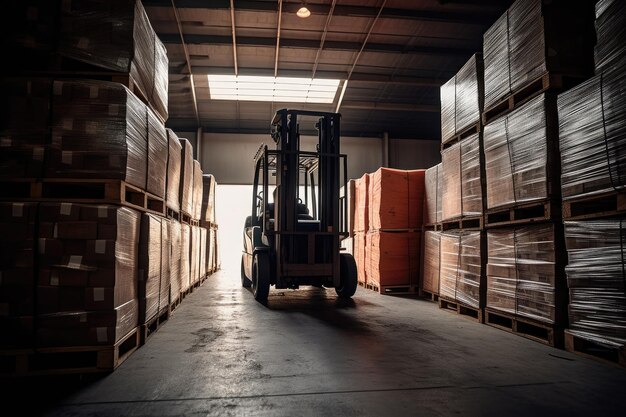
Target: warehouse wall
[414,154]
[229,156]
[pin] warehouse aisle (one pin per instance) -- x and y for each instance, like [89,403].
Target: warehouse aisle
[311,354]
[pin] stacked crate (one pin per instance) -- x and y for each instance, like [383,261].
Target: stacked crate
[208,221]
[92,241]
[361,225]
[592,133]
[395,201]
[431,234]
[454,257]
[533,51]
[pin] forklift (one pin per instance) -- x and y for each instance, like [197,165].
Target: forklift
[295,239]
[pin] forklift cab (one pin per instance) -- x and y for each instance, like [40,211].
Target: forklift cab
[293,237]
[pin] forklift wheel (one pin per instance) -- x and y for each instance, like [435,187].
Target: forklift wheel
[245,281]
[261,276]
[348,276]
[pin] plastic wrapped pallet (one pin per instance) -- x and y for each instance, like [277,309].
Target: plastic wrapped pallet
[211,251]
[462,99]
[186,177]
[117,35]
[24,123]
[175,260]
[157,155]
[150,256]
[185,262]
[17,273]
[359,256]
[596,280]
[592,135]
[522,271]
[611,34]
[432,263]
[173,171]
[351,197]
[207,216]
[203,245]
[462,186]
[433,180]
[393,258]
[361,223]
[88,266]
[520,154]
[396,199]
[461,267]
[87,328]
[534,37]
[197,191]
[166,277]
[99,130]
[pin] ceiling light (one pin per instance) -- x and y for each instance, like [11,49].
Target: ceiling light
[303,11]
[275,89]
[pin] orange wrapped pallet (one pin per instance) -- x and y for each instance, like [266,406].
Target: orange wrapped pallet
[396,199]
[359,257]
[361,223]
[393,261]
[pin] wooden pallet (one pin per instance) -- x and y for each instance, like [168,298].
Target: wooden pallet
[592,349]
[465,223]
[474,313]
[597,206]
[148,329]
[172,214]
[465,133]
[431,296]
[86,191]
[523,213]
[546,333]
[176,303]
[69,360]
[545,82]
[432,227]
[393,289]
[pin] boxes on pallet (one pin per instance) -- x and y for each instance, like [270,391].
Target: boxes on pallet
[157,156]
[462,99]
[396,199]
[186,177]
[113,36]
[350,194]
[521,158]
[17,273]
[193,255]
[207,215]
[610,25]
[433,181]
[88,259]
[361,223]
[99,130]
[524,275]
[197,187]
[185,263]
[174,167]
[176,279]
[166,273]
[392,258]
[154,267]
[211,265]
[462,181]
[534,37]
[592,135]
[203,244]
[24,120]
[461,268]
[595,277]
[432,261]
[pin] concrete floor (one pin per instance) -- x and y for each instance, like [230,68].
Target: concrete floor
[309,353]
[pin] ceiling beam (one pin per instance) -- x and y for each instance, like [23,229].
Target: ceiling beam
[171,38]
[485,16]
[319,50]
[188,60]
[234,35]
[280,13]
[368,105]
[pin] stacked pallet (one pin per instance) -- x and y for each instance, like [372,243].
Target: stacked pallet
[94,254]
[593,156]
[388,220]
[208,222]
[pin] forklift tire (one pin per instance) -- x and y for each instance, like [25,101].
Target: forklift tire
[348,276]
[261,276]
[245,281]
